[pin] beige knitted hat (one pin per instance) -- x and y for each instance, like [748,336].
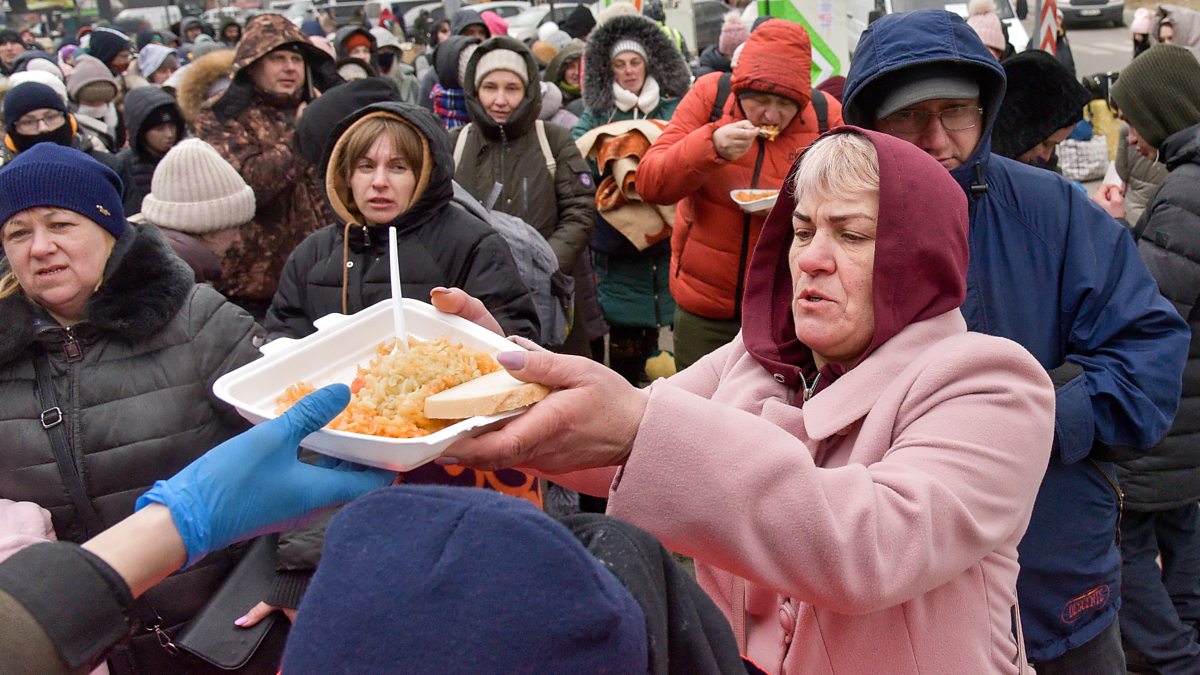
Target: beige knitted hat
[195,190]
[501,59]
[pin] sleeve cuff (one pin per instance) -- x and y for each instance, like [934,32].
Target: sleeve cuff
[288,589]
[83,606]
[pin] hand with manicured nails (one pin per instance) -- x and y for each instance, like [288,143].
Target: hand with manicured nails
[254,483]
[589,420]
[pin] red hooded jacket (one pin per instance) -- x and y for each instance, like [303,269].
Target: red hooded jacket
[712,237]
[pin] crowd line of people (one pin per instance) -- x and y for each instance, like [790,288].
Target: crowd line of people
[932,410]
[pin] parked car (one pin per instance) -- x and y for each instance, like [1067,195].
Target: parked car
[1093,11]
[524,26]
[504,8]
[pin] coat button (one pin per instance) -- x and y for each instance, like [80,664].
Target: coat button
[787,621]
[349,264]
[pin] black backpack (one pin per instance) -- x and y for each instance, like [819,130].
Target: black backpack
[725,87]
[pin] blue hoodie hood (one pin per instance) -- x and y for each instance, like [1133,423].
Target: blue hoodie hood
[897,42]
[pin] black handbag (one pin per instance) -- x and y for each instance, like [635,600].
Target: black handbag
[211,634]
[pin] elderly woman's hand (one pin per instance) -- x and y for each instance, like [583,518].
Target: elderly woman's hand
[589,421]
[456,301]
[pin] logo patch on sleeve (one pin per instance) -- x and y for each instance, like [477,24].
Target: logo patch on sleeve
[585,179]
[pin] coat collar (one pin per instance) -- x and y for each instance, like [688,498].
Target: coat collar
[852,395]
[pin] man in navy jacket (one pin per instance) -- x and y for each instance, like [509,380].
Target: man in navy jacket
[1053,272]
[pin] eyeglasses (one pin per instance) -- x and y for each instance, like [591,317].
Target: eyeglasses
[31,125]
[958,118]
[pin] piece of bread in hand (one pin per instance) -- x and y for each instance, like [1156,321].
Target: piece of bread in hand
[488,395]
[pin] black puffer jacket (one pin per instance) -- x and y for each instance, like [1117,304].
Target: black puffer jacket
[712,61]
[137,161]
[134,383]
[439,243]
[561,207]
[1168,475]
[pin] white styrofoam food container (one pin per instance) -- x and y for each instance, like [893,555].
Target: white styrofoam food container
[760,205]
[332,354]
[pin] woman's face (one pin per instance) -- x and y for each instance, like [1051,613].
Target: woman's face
[162,138]
[832,261]
[629,71]
[500,93]
[161,75]
[443,31]
[571,72]
[382,183]
[58,257]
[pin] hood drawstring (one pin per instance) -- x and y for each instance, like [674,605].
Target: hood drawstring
[346,268]
[979,188]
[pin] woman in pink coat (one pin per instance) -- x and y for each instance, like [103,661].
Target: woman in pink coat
[853,473]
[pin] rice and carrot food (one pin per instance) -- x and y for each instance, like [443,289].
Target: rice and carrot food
[388,396]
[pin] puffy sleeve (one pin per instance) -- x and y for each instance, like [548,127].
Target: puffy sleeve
[1119,387]
[684,155]
[969,444]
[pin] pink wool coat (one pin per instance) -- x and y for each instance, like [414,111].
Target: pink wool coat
[873,530]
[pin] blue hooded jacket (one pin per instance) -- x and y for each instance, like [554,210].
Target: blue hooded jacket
[1053,272]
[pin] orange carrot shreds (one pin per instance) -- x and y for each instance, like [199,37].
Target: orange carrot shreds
[388,396]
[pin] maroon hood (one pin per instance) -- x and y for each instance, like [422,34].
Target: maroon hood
[920,260]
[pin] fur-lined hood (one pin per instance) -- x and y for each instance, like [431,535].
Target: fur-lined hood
[663,61]
[145,286]
[199,79]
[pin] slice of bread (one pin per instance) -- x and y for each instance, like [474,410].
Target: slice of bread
[488,395]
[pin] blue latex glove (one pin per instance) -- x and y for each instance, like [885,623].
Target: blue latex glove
[253,483]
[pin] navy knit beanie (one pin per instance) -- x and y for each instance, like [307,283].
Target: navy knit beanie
[27,97]
[49,174]
[430,579]
[106,43]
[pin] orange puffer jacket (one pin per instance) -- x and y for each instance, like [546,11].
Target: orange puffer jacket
[712,238]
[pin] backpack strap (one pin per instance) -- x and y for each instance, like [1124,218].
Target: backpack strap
[724,87]
[461,144]
[547,154]
[821,108]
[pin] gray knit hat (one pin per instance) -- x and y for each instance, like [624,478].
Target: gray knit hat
[195,190]
[1159,92]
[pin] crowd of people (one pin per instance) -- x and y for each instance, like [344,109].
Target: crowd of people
[929,411]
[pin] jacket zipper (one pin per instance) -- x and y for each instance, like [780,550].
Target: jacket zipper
[72,350]
[744,253]
[1116,491]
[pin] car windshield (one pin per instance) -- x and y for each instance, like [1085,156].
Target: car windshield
[1003,8]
